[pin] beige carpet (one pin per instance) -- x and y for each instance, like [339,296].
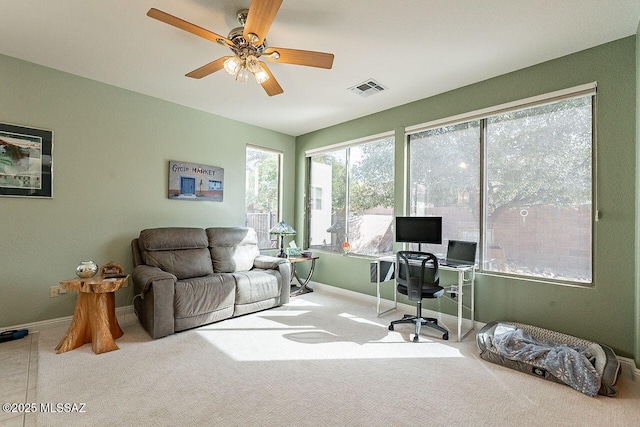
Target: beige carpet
[322,360]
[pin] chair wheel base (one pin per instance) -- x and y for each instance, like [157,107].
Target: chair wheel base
[416,339]
[391,327]
[445,336]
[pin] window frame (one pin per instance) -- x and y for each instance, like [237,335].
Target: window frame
[589,89]
[308,188]
[280,170]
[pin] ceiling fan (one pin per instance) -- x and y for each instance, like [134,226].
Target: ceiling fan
[248,44]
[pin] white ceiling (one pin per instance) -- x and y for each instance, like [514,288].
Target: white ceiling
[416,48]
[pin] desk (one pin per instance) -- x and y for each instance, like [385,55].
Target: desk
[94,318]
[303,289]
[466,278]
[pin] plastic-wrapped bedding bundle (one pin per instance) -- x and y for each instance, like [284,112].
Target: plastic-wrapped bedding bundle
[586,366]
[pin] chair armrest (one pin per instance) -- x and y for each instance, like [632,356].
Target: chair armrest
[145,275]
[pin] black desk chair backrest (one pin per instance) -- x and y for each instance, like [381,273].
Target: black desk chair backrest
[419,285]
[418,277]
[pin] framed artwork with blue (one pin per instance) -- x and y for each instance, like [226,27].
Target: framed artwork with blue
[26,161]
[191,181]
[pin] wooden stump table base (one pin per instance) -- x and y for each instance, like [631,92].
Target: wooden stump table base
[94,319]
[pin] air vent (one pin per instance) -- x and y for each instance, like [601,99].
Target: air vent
[367,88]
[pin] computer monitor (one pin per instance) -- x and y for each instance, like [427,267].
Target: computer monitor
[419,229]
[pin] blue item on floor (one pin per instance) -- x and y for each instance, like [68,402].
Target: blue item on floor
[13,335]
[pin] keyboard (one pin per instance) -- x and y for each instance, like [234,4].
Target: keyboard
[453,264]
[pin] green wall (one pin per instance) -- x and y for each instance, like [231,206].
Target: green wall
[110,163]
[111,153]
[605,312]
[637,281]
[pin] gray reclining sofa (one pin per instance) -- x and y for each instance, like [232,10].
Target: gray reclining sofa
[187,277]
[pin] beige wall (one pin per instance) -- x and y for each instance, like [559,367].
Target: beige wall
[110,167]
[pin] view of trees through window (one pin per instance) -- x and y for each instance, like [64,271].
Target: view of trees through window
[444,180]
[538,188]
[262,193]
[351,199]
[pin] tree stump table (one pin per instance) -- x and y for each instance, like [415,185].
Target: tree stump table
[94,319]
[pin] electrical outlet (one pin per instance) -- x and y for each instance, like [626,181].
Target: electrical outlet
[54,291]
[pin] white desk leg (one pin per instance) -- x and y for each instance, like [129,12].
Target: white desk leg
[473,296]
[379,298]
[460,293]
[378,286]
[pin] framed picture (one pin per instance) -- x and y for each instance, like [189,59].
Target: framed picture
[26,162]
[190,181]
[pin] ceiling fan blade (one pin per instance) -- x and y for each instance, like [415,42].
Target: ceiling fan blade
[271,86]
[210,68]
[259,20]
[300,57]
[188,26]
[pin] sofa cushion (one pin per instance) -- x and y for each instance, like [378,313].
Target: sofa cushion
[257,285]
[202,295]
[179,251]
[184,263]
[171,238]
[232,248]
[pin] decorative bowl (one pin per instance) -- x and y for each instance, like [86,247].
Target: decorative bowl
[86,269]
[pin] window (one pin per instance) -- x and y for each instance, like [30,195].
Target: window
[262,197]
[316,198]
[533,213]
[351,198]
[538,191]
[444,180]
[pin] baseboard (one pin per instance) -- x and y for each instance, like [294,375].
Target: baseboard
[121,314]
[629,363]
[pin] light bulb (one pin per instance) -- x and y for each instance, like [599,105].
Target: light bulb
[252,64]
[261,75]
[232,65]
[243,75]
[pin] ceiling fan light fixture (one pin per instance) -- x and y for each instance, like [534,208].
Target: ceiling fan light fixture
[252,64]
[233,64]
[261,75]
[243,75]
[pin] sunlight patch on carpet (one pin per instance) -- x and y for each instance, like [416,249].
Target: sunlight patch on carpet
[293,334]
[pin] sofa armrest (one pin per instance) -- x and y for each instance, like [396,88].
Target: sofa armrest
[145,275]
[268,262]
[283,265]
[154,299]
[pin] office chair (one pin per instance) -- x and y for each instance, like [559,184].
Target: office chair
[417,286]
